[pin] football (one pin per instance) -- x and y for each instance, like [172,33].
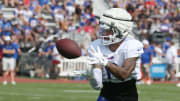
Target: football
[68,48]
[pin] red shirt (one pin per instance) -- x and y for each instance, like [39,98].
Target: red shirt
[150,3]
[26,2]
[87,29]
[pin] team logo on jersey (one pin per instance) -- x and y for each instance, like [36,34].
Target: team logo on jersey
[110,58]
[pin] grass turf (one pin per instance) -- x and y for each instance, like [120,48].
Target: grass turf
[80,92]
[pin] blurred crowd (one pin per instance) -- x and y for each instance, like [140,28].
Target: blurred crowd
[29,25]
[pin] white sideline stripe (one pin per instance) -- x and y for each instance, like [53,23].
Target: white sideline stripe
[66,91]
[37,96]
[81,91]
[23,94]
[34,98]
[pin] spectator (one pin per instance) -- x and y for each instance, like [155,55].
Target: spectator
[6,25]
[33,21]
[158,50]
[81,28]
[1,18]
[84,51]
[171,58]
[26,2]
[90,29]
[27,32]
[55,6]
[45,5]
[49,49]
[152,48]
[27,14]
[59,17]
[6,28]
[178,85]
[70,7]
[56,60]
[71,26]
[12,3]
[165,26]
[8,60]
[6,33]
[18,10]
[41,28]
[155,25]
[77,15]
[18,20]
[87,29]
[17,52]
[165,45]
[35,7]
[17,32]
[47,52]
[178,53]
[146,59]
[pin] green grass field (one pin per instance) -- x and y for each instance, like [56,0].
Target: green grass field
[80,92]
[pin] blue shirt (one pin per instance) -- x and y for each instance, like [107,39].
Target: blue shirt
[6,33]
[1,21]
[146,56]
[27,29]
[152,50]
[49,48]
[8,47]
[53,7]
[16,50]
[33,21]
[86,3]
[17,31]
[160,2]
[6,25]
[33,5]
[165,47]
[43,2]
[1,46]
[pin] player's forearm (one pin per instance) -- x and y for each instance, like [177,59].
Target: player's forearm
[118,72]
[124,71]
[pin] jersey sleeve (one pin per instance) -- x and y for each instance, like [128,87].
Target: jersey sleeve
[135,49]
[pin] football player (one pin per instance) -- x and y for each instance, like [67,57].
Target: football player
[115,57]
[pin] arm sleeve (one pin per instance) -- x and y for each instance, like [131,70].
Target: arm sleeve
[95,79]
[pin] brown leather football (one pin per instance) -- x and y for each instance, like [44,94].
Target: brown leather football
[68,48]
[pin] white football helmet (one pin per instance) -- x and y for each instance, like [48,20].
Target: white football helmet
[117,22]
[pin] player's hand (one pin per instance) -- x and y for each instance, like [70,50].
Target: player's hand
[97,57]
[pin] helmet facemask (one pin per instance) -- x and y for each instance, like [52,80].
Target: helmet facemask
[111,34]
